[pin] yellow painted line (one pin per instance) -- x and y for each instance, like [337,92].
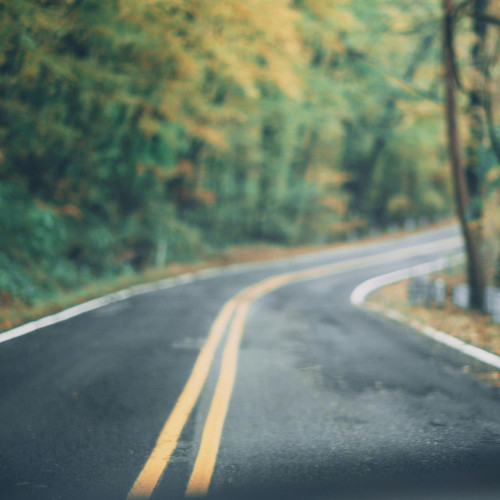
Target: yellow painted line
[201,475]
[212,432]
[170,434]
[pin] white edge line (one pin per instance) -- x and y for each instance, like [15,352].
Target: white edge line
[91,305]
[360,293]
[126,293]
[163,284]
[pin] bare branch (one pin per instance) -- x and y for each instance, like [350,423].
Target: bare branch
[485,18]
[450,21]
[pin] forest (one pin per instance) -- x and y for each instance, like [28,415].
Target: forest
[134,134]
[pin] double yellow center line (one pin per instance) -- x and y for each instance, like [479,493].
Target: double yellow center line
[233,315]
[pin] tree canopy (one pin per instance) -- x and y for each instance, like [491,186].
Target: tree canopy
[134,133]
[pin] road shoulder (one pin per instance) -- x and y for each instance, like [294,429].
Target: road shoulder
[468,331]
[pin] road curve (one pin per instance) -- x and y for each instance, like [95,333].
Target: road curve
[259,380]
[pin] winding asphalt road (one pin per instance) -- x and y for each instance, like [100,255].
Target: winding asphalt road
[253,382]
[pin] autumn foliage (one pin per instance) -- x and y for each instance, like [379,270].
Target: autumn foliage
[137,132]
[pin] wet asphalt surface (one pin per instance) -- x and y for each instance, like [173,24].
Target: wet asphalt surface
[330,401]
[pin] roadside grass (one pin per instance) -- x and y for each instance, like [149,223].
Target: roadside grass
[470,326]
[14,312]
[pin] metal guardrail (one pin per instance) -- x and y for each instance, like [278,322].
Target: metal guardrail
[423,291]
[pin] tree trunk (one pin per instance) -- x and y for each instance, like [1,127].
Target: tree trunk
[474,169]
[471,228]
